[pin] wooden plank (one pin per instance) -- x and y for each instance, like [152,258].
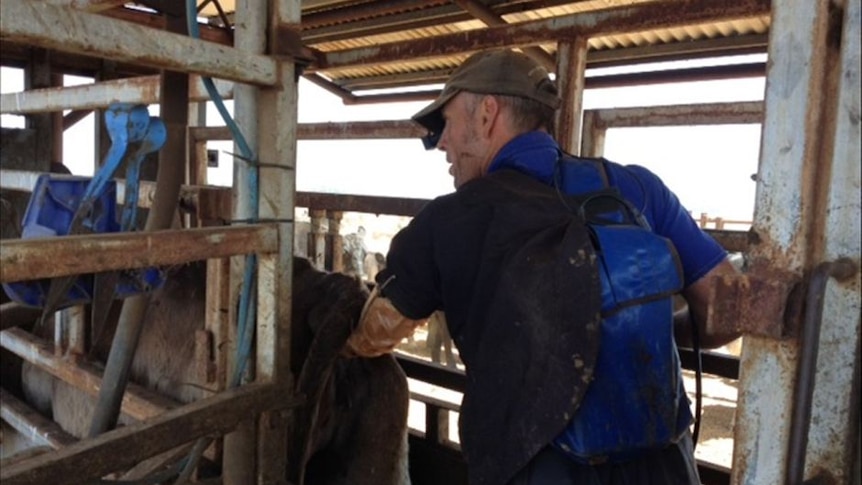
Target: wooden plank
[31,424]
[348,130]
[118,449]
[137,90]
[88,5]
[206,201]
[138,402]
[746,112]
[42,25]
[68,255]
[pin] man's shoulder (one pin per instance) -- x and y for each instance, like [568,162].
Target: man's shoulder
[632,171]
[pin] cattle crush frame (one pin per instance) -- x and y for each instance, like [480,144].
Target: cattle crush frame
[797,416]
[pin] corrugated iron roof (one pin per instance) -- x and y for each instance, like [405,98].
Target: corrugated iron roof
[339,25]
[357,45]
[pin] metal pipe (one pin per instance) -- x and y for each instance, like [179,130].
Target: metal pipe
[803,393]
[174,111]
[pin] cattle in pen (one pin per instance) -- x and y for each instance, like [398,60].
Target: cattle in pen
[352,424]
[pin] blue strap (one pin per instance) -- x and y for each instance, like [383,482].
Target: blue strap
[126,123]
[153,140]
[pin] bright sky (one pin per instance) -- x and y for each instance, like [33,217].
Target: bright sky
[709,167]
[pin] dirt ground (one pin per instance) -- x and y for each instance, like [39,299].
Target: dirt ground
[715,443]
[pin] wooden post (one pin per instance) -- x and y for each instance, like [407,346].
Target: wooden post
[38,75]
[277,113]
[250,35]
[334,242]
[317,238]
[571,66]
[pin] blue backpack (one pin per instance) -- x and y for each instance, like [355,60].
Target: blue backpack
[636,400]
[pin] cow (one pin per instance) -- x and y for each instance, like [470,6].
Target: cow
[350,428]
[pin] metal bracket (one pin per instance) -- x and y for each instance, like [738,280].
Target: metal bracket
[756,303]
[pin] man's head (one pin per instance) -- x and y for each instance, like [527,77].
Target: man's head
[491,98]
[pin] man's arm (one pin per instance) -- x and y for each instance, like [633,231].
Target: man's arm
[697,296]
[381,327]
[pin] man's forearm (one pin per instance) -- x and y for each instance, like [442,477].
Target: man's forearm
[380,329]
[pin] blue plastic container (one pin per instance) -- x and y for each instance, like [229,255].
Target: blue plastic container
[49,213]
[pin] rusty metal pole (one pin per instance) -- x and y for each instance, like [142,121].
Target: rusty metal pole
[803,394]
[171,171]
[807,212]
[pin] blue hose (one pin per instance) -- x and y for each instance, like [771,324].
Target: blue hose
[246,310]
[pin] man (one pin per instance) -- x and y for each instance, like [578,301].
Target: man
[555,274]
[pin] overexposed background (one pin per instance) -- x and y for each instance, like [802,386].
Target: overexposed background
[708,167]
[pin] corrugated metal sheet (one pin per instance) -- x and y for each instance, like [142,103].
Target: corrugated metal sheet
[350,24]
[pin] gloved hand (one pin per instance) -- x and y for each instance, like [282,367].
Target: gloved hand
[381,327]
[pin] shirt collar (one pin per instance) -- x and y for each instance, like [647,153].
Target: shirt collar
[534,153]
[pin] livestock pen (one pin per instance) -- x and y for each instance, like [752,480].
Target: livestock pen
[797,302]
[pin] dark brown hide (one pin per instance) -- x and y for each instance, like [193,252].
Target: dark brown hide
[353,426]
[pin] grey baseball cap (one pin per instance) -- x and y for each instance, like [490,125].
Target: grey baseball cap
[499,71]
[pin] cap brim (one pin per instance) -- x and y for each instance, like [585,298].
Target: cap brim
[431,117]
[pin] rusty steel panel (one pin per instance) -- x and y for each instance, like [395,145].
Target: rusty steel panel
[642,17]
[806,204]
[62,256]
[835,416]
[801,424]
[755,304]
[68,30]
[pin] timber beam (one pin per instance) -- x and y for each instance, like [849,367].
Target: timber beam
[69,30]
[30,423]
[139,90]
[138,402]
[29,259]
[88,460]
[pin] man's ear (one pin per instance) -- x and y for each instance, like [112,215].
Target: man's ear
[489,110]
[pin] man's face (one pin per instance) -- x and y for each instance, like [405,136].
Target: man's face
[466,149]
